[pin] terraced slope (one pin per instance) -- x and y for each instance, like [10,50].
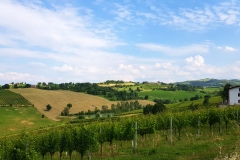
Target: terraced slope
[60,98]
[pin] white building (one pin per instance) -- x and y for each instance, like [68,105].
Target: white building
[234,95]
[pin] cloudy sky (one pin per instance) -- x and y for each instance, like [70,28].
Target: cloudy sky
[132,40]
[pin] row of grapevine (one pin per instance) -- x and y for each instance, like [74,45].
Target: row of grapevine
[87,138]
[10,98]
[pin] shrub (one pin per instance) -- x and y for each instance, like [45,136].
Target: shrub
[48,107]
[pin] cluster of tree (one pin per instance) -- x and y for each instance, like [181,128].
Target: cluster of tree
[154,109]
[183,87]
[114,82]
[120,107]
[165,101]
[92,88]
[196,97]
[125,106]
[65,111]
[7,86]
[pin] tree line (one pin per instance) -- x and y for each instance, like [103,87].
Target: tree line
[93,89]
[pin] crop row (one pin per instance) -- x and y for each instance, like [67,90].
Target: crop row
[10,98]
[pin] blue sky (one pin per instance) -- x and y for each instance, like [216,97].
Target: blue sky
[141,40]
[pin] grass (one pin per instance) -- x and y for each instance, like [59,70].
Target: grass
[15,119]
[172,95]
[182,106]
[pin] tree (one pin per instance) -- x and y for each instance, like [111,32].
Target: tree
[65,112]
[48,107]
[147,109]
[206,100]
[63,142]
[224,92]
[86,141]
[69,105]
[158,107]
[193,106]
[146,97]
[6,86]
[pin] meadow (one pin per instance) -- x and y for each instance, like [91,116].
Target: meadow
[172,95]
[16,119]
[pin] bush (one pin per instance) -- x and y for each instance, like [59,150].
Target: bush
[152,151]
[48,107]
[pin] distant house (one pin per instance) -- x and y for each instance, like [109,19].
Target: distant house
[234,95]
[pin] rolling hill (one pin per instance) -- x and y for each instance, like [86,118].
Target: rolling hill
[208,82]
[58,99]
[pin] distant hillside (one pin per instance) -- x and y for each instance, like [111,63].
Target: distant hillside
[211,82]
[58,99]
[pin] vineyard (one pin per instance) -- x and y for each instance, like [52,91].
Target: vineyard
[203,134]
[8,98]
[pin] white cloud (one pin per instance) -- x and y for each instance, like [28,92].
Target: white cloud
[146,15]
[20,77]
[226,13]
[128,68]
[142,67]
[122,12]
[195,61]
[64,68]
[175,51]
[58,29]
[37,65]
[226,48]
[229,49]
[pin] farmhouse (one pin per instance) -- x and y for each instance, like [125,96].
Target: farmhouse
[234,95]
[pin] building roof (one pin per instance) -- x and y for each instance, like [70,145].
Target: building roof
[234,87]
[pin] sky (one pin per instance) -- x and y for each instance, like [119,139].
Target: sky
[132,40]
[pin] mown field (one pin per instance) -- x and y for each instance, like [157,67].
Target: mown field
[16,119]
[60,98]
[172,95]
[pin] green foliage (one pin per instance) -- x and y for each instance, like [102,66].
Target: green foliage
[65,112]
[48,107]
[206,100]
[84,138]
[224,92]
[69,105]
[154,109]
[171,95]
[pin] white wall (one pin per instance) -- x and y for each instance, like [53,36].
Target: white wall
[233,96]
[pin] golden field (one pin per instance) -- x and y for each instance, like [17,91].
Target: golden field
[59,99]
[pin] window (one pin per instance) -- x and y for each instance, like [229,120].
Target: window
[239,89]
[238,94]
[239,101]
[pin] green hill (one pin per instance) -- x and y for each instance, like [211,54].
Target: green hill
[211,82]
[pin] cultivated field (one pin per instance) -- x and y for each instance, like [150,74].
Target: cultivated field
[60,98]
